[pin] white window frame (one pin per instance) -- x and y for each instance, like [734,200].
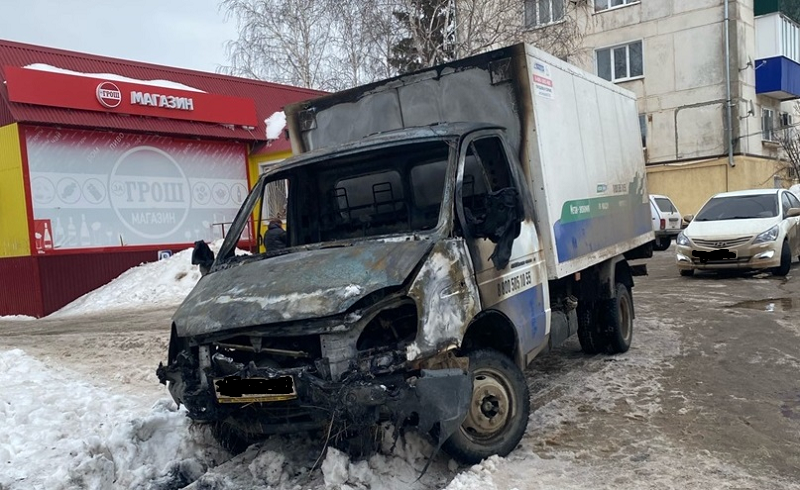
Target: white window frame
[611,58]
[625,3]
[535,5]
[768,134]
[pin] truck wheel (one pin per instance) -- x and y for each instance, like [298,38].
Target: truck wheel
[230,437]
[686,272]
[498,413]
[617,320]
[589,336]
[786,261]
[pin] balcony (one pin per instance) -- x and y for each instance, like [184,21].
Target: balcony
[777,56]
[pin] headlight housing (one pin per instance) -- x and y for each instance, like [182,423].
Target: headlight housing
[768,236]
[682,239]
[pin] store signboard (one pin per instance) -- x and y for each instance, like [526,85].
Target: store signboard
[30,86]
[97,189]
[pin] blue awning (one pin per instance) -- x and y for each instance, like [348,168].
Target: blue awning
[778,77]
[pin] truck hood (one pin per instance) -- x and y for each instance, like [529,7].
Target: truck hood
[296,286]
[732,228]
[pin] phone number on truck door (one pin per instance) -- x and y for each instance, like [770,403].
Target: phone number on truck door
[514,284]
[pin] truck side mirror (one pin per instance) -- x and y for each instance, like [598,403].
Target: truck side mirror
[203,256]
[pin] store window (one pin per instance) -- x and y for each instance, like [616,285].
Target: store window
[620,63]
[539,13]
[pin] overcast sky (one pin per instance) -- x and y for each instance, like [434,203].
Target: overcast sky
[183,33]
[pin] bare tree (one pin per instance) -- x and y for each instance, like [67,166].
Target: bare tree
[336,44]
[284,41]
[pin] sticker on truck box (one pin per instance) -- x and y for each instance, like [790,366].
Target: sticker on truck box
[542,79]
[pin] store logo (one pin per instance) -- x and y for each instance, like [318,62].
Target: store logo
[150,193]
[109,95]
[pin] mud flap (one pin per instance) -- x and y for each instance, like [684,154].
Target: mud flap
[444,396]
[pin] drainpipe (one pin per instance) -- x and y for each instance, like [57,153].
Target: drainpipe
[728,102]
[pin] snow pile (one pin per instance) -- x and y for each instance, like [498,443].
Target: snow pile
[275,124]
[155,284]
[59,432]
[112,76]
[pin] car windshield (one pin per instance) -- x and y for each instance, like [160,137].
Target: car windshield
[739,207]
[384,191]
[665,205]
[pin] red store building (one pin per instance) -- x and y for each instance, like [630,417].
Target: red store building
[106,162]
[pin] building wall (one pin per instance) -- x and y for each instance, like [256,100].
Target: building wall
[14,231]
[690,185]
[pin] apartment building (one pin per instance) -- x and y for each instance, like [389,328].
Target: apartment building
[714,80]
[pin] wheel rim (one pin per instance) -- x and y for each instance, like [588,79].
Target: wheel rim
[491,408]
[625,317]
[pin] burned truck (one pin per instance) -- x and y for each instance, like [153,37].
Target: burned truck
[444,228]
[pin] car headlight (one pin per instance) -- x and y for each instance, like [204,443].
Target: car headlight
[768,236]
[682,239]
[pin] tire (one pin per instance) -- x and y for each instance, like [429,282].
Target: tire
[230,437]
[498,413]
[661,243]
[608,327]
[786,261]
[590,337]
[617,317]
[686,272]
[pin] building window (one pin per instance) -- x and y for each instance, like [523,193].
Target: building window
[600,5]
[786,120]
[620,63]
[768,125]
[643,129]
[542,12]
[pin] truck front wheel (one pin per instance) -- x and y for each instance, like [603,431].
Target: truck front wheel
[498,412]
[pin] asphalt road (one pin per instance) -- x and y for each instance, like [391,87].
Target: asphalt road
[709,393]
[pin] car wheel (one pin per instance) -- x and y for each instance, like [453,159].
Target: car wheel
[786,261]
[686,272]
[498,413]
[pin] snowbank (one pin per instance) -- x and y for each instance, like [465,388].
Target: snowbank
[59,432]
[154,284]
[112,76]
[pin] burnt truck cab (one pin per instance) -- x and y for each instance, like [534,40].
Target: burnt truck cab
[412,260]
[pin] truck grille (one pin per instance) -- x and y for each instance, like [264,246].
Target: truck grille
[727,243]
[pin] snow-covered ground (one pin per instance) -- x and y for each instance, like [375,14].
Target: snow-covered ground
[58,430]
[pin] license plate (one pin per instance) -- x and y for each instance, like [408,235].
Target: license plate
[722,254]
[234,389]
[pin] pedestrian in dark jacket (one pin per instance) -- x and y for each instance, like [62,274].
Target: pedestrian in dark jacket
[275,237]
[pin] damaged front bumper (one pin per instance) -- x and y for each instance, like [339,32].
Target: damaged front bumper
[433,401]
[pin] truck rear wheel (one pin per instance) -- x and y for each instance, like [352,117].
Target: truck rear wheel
[231,437]
[498,413]
[607,326]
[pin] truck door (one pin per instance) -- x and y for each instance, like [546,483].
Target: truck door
[513,282]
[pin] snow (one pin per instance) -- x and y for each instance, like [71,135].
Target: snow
[112,77]
[275,124]
[162,283]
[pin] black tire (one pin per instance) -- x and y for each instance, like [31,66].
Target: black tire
[230,437]
[662,243]
[590,337]
[498,412]
[608,328]
[786,261]
[617,318]
[686,272]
